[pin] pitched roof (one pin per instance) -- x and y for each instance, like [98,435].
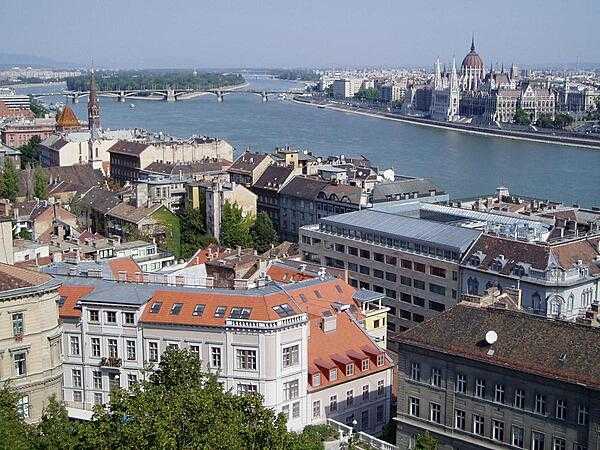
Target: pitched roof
[304,187]
[188,168]
[99,199]
[128,147]
[526,342]
[273,177]
[12,277]
[126,266]
[247,162]
[70,295]
[383,191]
[131,213]
[66,118]
[342,193]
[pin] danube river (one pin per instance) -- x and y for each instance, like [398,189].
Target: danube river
[461,163]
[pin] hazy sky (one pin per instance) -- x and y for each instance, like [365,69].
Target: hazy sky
[246,33]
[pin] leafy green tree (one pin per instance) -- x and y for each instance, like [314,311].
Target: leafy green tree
[521,117]
[371,94]
[55,430]
[426,442]
[193,231]
[235,228]
[263,233]
[30,152]
[40,189]
[563,120]
[37,108]
[25,234]
[545,121]
[13,429]
[9,181]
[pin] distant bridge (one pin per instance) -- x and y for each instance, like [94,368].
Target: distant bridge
[169,94]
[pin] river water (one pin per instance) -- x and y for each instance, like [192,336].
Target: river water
[463,164]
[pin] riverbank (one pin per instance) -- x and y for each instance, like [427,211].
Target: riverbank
[523,136]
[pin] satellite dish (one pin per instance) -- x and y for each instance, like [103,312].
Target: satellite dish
[491,337]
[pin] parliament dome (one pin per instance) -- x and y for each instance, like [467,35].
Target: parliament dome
[472,60]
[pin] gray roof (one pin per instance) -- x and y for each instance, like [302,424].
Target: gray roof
[364,295]
[413,229]
[423,186]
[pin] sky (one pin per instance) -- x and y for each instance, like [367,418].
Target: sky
[301,33]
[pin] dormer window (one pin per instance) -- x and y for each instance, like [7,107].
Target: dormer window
[332,374]
[380,359]
[316,379]
[155,308]
[349,369]
[519,270]
[474,261]
[365,364]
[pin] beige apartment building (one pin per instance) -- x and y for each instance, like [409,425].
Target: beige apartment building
[30,338]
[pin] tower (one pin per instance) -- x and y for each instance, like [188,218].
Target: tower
[454,93]
[437,81]
[93,106]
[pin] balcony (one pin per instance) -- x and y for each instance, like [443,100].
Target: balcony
[110,362]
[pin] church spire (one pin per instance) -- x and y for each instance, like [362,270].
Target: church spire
[437,82]
[473,42]
[453,75]
[93,105]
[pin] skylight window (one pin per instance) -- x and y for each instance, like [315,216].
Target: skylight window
[198,310]
[61,300]
[318,294]
[155,308]
[284,310]
[240,313]
[302,297]
[220,311]
[176,308]
[339,289]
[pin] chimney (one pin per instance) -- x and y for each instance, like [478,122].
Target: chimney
[328,322]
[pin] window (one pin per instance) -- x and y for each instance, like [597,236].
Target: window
[352,267]
[195,350]
[437,289]
[97,379]
[333,403]
[480,388]
[583,415]
[74,347]
[559,443]
[365,393]
[413,406]
[220,311]
[290,356]
[518,436]
[380,388]
[340,248]
[389,276]
[18,324]
[478,425]
[349,369]
[23,406]
[377,273]
[435,412]
[246,389]
[436,306]
[365,270]
[378,257]
[285,310]
[540,404]
[364,365]
[364,420]
[406,264]
[291,390]
[349,397]
[436,377]
[94,315]
[316,409]
[497,430]
[332,374]
[460,419]
[365,254]
[419,267]
[350,420]
[519,399]
[537,440]
[129,318]
[461,383]
[391,293]
[353,251]
[96,347]
[153,351]
[131,351]
[418,284]
[285,410]
[76,377]
[111,317]
[155,308]
[240,313]
[561,410]
[391,260]
[316,379]
[437,271]
[499,393]
[198,310]
[380,359]
[98,398]
[113,351]
[77,397]
[20,363]
[379,414]
[296,410]
[246,359]
[415,371]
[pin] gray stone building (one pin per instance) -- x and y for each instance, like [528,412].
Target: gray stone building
[490,378]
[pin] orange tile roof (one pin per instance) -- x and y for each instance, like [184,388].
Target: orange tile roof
[287,274]
[12,277]
[71,295]
[203,255]
[66,118]
[127,265]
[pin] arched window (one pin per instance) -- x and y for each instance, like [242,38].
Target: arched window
[472,286]
[571,303]
[536,301]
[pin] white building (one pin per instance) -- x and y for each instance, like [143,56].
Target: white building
[346,87]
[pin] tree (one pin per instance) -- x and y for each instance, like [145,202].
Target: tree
[55,430]
[40,189]
[545,121]
[30,152]
[235,228]
[9,181]
[563,120]
[426,442]
[371,94]
[521,117]
[193,231]
[263,233]
[37,108]
[13,429]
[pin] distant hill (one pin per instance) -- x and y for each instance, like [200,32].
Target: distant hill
[8,60]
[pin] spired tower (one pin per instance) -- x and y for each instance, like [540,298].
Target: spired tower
[472,69]
[454,91]
[93,106]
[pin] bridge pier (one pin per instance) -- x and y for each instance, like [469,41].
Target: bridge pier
[75,99]
[171,95]
[265,98]
[121,97]
[219,96]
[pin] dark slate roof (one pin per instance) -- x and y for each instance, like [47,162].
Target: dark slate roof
[304,187]
[342,193]
[101,200]
[382,191]
[188,168]
[273,177]
[247,162]
[527,343]
[128,147]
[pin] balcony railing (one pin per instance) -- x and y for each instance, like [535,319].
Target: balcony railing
[110,362]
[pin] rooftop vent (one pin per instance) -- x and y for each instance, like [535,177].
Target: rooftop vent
[491,337]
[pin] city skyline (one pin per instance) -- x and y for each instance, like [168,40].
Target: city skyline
[183,34]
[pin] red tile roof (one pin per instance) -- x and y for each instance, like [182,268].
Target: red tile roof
[71,295]
[287,274]
[127,265]
[12,277]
